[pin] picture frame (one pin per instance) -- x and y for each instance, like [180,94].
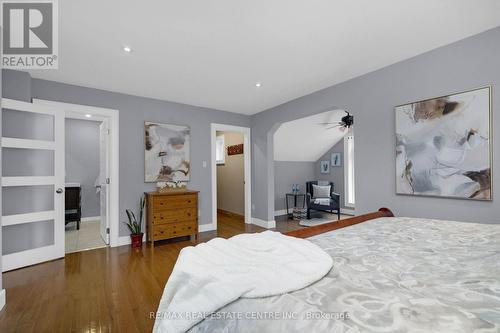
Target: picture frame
[336,159]
[444,146]
[324,167]
[166,152]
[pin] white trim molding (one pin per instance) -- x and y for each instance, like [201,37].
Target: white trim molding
[28,217]
[247,165]
[264,224]
[206,227]
[125,240]
[348,211]
[2,299]
[280,212]
[28,144]
[98,114]
[90,218]
[344,211]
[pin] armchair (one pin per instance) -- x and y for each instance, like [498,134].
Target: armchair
[334,200]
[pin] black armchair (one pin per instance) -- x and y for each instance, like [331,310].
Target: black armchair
[334,200]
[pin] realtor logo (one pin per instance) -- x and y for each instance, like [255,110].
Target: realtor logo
[29,34]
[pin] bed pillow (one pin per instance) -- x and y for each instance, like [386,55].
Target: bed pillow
[321,191]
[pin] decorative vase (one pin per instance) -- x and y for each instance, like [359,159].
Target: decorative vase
[136,239]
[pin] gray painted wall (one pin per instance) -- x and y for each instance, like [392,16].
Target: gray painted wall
[467,64]
[287,173]
[82,161]
[133,112]
[336,174]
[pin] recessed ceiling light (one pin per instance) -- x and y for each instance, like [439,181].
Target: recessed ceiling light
[127,49]
[88,115]
[258,84]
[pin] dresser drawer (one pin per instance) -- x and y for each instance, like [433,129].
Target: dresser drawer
[174,215]
[164,231]
[161,203]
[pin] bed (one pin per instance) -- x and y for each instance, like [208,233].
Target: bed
[390,274]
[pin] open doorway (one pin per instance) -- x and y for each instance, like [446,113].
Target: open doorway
[86,174]
[231,202]
[105,186]
[313,170]
[230,177]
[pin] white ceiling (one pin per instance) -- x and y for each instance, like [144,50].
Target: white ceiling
[307,139]
[212,52]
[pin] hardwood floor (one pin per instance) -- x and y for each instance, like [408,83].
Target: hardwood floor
[101,290]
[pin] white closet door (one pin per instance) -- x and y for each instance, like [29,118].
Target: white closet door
[32,184]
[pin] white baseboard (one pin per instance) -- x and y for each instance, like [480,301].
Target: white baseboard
[206,227]
[2,299]
[345,211]
[90,218]
[125,240]
[280,212]
[264,224]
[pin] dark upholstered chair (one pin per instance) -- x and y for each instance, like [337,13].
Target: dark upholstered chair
[334,200]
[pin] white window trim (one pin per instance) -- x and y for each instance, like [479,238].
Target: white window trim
[349,165]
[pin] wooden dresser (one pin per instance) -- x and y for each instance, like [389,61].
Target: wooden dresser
[171,214]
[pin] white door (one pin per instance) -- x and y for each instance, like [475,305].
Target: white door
[32,184]
[104,176]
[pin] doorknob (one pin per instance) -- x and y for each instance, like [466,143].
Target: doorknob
[59,190]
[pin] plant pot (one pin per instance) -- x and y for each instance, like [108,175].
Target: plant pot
[136,239]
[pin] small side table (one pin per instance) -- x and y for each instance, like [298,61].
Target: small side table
[295,196]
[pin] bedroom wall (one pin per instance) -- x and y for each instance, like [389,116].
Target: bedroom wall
[336,174]
[466,64]
[82,161]
[134,111]
[287,173]
[231,177]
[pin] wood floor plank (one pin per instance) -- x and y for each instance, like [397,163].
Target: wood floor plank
[103,290]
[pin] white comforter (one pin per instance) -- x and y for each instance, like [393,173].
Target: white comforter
[213,274]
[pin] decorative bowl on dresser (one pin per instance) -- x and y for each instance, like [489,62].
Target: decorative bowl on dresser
[171,214]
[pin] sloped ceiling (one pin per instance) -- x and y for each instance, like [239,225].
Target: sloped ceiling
[307,139]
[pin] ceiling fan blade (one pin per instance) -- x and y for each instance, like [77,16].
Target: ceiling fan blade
[335,126]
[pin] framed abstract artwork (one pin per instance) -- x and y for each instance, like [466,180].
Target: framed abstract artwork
[443,146]
[336,159]
[166,152]
[324,166]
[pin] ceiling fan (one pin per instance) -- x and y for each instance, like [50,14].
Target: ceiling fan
[345,122]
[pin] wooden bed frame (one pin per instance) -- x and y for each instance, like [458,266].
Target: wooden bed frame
[319,229]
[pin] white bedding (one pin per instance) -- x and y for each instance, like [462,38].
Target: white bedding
[213,274]
[401,275]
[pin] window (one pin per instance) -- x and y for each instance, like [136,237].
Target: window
[349,169]
[220,154]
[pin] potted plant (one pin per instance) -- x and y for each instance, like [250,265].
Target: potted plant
[134,225]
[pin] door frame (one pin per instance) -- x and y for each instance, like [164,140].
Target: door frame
[77,111]
[214,127]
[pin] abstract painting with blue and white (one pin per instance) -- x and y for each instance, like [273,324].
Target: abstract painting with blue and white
[443,146]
